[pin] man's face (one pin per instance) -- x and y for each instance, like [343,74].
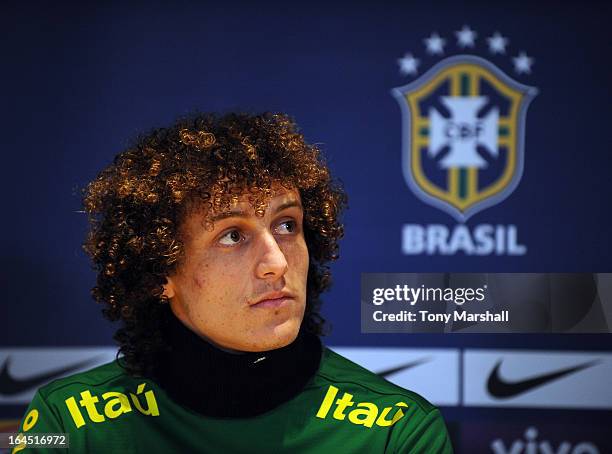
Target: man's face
[242,286]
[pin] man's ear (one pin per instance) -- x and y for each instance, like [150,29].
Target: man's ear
[169,288]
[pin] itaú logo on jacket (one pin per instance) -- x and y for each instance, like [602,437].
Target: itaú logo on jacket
[363,414]
[115,405]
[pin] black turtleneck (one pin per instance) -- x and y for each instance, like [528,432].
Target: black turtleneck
[216,383]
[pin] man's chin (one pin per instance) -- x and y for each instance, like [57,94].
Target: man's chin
[277,337]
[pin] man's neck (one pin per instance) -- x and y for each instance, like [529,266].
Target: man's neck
[218,383]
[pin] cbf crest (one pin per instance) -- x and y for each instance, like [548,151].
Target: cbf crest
[463,127]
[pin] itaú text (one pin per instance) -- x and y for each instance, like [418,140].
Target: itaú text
[482,239]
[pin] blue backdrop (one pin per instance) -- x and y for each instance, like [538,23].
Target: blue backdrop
[80,80]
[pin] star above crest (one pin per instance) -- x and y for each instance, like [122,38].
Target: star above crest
[408,64]
[466,37]
[523,63]
[435,44]
[497,43]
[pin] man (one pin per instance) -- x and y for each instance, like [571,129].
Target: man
[211,239]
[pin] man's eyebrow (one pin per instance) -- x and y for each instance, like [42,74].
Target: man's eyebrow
[229,214]
[243,214]
[288,204]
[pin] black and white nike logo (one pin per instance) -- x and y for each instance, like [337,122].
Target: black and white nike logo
[503,389]
[406,366]
[10,386]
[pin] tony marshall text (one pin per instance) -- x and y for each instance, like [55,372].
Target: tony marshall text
[426,316]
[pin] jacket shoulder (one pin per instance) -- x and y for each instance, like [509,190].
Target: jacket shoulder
[109,375]
[344,373]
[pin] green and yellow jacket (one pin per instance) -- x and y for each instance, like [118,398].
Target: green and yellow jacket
[339,408]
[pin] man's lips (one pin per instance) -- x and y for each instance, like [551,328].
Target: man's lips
[276,302]
[274,299]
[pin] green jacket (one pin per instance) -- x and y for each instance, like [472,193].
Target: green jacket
[343,409]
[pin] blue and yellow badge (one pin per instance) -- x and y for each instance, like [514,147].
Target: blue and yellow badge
[463,134]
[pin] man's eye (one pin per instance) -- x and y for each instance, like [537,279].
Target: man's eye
[230,238]
[286,227]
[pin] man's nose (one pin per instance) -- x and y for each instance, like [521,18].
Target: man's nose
[272,263]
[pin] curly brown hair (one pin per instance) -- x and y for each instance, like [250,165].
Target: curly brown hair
[136,207]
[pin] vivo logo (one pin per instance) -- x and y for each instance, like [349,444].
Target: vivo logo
[531,445]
